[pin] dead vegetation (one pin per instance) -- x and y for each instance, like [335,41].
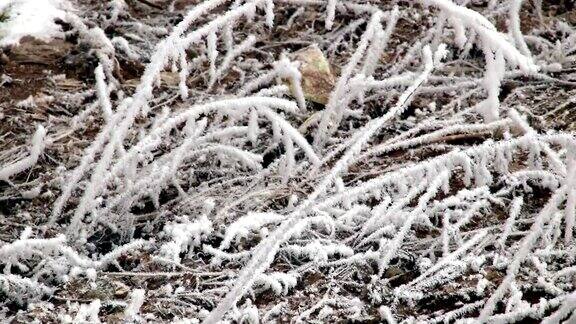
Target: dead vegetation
[331,269]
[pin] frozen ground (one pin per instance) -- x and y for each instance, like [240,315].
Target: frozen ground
[287,161]
[35,18]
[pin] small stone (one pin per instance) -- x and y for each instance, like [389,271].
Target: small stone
[317,78]
[393,272]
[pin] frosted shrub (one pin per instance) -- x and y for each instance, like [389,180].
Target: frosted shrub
[213,179]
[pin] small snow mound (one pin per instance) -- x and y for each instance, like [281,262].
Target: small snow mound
[35,18]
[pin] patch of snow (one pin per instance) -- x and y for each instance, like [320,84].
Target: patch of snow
[34,18]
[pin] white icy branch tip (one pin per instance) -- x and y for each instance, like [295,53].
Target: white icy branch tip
[36,150]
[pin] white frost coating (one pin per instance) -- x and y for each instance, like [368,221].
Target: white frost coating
[16,252]
[436,135]
[31,18]
[116,8]
[184,236]
[122,44]
[100,178]
[381,37]
[526,246]
[332,114]
[265,251]
[495,40]
[183,74]
[570,210]
[18,288]
[509,225]
[514,23]
[212,53]
[137,298]
[288,70]
[386,314]
[292,133]
[253,129]
[567,308]
[88,313]
[232,54]
[102,92]
[115,131]
[241,228]
[280,283]
[330,14]
[490,108]
[387,251]
[269,8]
[38,144]
[348,210]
